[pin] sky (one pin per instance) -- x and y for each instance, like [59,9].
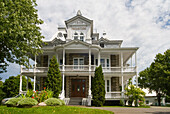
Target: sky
[139,23]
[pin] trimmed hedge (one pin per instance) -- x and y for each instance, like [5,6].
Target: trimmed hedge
[27,102]
[54,102]
[13,102]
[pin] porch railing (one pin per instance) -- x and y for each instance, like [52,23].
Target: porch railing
[114,95]
[80,68]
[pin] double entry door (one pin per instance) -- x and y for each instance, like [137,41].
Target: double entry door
[78,87]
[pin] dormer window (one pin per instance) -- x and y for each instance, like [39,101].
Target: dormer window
[75,36]
[81,37]
[102,45]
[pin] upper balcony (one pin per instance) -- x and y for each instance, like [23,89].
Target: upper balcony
[79,69]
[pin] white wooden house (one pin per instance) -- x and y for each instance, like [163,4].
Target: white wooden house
[79,51]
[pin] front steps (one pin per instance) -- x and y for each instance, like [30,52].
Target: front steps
[75,101]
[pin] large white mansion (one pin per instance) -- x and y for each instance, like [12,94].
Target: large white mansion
[79,51]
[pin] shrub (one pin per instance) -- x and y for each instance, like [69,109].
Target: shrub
[13,102]
[52,102]
[62,102]
[27,102]
[54,81]
[141,103]
[98,87]
[121,103]
[29,93]
[44,95]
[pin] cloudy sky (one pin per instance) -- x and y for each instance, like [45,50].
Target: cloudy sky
[139,23]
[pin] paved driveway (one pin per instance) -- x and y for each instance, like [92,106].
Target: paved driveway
[152,110]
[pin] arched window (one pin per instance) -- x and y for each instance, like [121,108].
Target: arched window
[75,36]
[81,36]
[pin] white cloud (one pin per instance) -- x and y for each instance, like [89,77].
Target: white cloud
[139,23]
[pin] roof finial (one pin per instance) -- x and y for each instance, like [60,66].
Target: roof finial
[79,12]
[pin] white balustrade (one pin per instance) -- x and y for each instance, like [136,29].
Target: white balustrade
[81,68]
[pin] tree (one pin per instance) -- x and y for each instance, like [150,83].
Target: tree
[54,81]
[134,93]
[11,85]
[2,94]
[157,76]
[98,87]
[20,34]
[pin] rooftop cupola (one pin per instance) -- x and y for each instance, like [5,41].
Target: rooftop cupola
[79,12]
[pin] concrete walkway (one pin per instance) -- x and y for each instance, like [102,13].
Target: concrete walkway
[124,110]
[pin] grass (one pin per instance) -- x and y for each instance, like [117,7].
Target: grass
[51,110]
[129,106]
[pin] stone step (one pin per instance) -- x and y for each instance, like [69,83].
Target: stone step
[75,101]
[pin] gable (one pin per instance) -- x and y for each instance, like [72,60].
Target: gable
[79,21]
[76,45]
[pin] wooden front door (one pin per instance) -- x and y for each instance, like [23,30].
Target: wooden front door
[78,87]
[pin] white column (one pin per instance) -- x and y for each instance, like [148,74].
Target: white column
[89,59]
[136,69]
[63,86]
[34,72]
[63,95]
[20,87]
[63,59]
[89,84]
[89,96]
[99,58]
[122,74]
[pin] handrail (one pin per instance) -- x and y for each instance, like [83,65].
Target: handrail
[81,68]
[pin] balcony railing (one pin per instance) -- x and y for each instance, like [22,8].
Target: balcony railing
[114,95]
[85,68]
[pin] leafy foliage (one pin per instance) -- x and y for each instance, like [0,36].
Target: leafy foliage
[53,102]
[62,102]
[54,81]
[44,95]
[2,94]
[27,102]
[134,93]
[98,87]
[11,85]
[19,32]
[157,76]
[13,102]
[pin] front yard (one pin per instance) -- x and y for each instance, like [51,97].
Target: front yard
[51,109]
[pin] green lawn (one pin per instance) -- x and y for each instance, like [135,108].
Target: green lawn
[51,110]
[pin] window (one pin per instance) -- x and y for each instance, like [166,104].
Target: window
[102,45]
[96,62]
[102,62]
[75,36]
[93,38]
[107,85]
[61,61]
[78,63]
[60,34]
[81,37]
[147,101]
[107,62]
